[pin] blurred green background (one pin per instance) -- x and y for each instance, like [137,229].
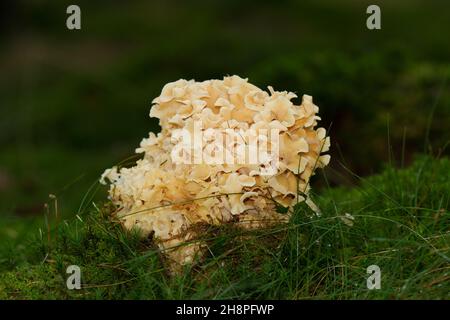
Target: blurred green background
[76,102]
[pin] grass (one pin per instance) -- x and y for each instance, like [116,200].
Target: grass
[401,223]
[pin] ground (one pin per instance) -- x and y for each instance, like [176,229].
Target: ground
[400,223]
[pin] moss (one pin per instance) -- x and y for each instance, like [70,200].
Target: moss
[401,224]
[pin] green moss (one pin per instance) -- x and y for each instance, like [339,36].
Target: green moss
[401,223]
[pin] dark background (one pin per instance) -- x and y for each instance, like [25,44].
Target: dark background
[76,102]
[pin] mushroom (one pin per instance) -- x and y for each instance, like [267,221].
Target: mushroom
[168,199]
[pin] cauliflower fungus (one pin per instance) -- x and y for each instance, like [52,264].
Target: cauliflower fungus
[174,187]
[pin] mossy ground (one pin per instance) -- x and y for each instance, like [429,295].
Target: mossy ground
[401,223]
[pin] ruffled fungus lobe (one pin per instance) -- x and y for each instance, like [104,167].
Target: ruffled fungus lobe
[169,198]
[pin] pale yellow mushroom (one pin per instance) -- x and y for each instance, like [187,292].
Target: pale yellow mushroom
[170,199]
